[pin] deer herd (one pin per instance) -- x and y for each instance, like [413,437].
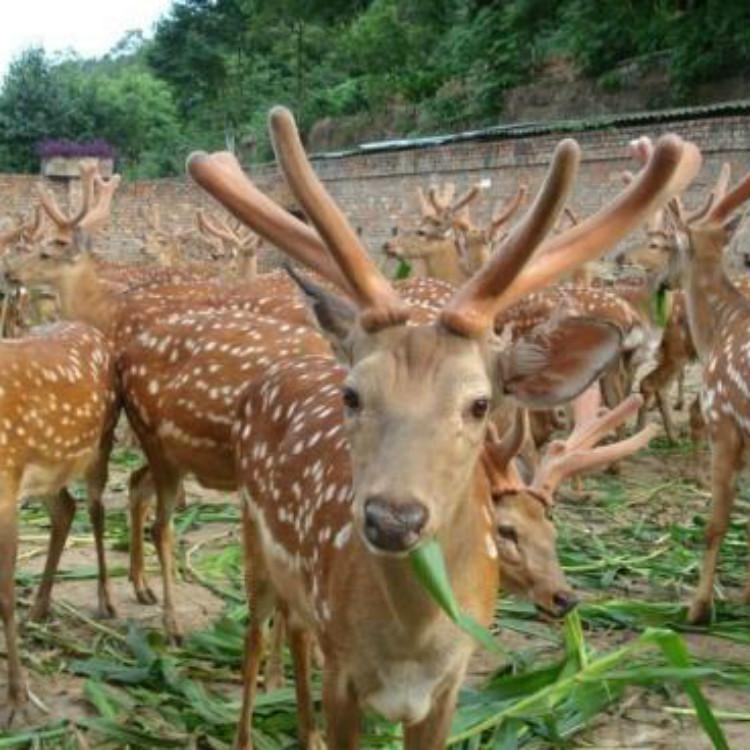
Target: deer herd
[358,418]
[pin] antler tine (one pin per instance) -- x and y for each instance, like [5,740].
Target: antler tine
[445,194]
[50,206]
[216,227]
[89,171]
[97,217]
[641,148]
[465,198]
[425,206]
[578,454]
[471,311]
[380,305]
[504,211]
[499,452]
[221,176]
[437,205]
[592,424]
[672,166]
[722,182]
[730,202]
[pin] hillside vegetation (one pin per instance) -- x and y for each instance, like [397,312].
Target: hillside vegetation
[213,67]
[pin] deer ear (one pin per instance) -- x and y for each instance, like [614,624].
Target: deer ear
[333,315]
[556,362]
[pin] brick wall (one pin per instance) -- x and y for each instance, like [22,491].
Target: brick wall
[378,190]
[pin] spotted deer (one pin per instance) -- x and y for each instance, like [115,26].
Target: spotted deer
[446,240]
[241,245]
[56,420]
[718,315]
[336,558]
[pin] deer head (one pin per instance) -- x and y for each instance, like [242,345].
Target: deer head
[417,398]
[524,532]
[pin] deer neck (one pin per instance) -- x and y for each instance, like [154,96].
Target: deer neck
[85,297]
[443,264]
[464,542]
[248,268]
[712,300]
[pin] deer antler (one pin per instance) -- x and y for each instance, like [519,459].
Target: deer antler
[504,211]
[221,176]
[730,202]
[93,190]
[213,227]
[510,275]
[380,305]
[99,215]
[578,453]
[472,309]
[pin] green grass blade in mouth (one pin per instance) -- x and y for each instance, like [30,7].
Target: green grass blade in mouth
[428,564]
[403,270]
[660,303]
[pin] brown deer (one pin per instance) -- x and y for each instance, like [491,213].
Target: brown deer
[241,245]
[448,243]
[57,402]
[718,315]
[336,556]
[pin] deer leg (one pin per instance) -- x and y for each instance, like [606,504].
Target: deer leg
[262,602]
[309,737]
[666,416]
[341,708]
[167,482]
[432,731]
[726,457]
[62,509]
[679,405]
[96,481]
[140,493]
[17,691]
[273,678]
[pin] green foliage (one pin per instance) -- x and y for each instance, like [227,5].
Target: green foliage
[402,67]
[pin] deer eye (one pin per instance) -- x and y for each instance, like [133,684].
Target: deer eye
[480,407]
[44,255]
[351,399]
[508,533]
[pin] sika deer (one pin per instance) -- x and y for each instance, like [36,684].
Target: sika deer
[719,317]
[57,408]
[524,534]
[416,404]
[451,247]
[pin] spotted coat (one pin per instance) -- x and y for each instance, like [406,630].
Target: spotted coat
[56,400]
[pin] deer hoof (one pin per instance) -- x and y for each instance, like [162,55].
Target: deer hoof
[106,611]
[145,595]
[173,630]
[315,741]
[19,711]
[699,612]
[39,611]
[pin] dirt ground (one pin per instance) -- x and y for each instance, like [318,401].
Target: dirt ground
[655,485]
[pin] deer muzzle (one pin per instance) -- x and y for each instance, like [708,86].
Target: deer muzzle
[392,525]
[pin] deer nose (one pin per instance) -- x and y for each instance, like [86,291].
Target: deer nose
[394,526]
[564,602]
